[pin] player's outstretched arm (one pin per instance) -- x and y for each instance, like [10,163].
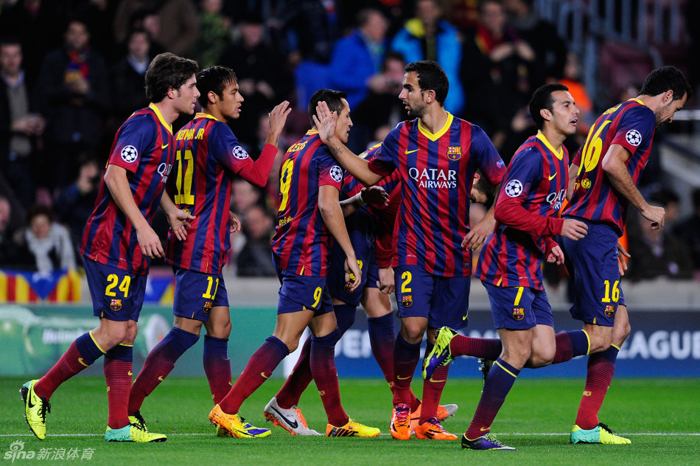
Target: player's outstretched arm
[332,215]
[325,122]
[614,166]
[118,185]
[374,195]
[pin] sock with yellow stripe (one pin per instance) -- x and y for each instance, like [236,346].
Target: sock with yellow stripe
[81,354]
[498,383]
[570,345]
[117,367]
[601,368]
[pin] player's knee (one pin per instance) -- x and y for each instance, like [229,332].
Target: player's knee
[412,333]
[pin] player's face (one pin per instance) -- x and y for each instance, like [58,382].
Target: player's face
[230,102]
[186,96]
[665,113]
[412,95]
[564,113]
[477,196]
[342,128]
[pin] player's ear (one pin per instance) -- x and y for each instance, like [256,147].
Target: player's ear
[171,92]
[212,97]
[546,114]
[429,96]
[668,96]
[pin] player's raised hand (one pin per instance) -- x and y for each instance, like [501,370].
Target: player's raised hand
[375,195]
[656,215]
[574,229]
[556,256]
[235,224]
[353,274]
[149,242]
[325,121]
[278,118]
[386,282]
[479,234]
[622,256]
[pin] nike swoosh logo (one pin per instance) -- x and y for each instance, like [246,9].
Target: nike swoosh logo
[293,425]
[552,177]
[164,146]
[435,381]
[411,151]
[403,378]
[129,373]
[160,377]
[264,376]
[29,401]
[484,429]
[82,361]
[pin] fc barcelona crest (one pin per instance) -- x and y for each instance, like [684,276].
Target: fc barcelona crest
[518,313]
[115,305]
[609,311]
[454,153]
[407,300]
[207,307]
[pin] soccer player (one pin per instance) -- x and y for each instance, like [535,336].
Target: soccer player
[208,155]
[607,170]
[118,244]
[309,217]
[371,230]
[436,155]
[509,266]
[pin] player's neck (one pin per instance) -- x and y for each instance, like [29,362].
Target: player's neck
[168,111]
[554,137]
[434,119]
[654,102]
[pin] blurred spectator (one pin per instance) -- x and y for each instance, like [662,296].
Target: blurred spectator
[76,202]
[20,126]
[177,28]
[356,68]
[38,24]
[463,13]
[688,231]
[12,253]
[496,69]
[98,16]
[243,196]
[73,89]
[428,37]
[214,33]
[263,78]
[48,241]
[255,259]
[550,49]
[572,80]
[128,78]
[304,28]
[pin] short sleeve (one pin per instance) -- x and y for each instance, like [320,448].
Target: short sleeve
[330,173]
[225,148]
[486,156]
[135,138]
[635,129]
[524,174]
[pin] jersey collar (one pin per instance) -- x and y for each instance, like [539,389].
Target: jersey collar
[637,100]
[205,115]
[443,130]
[559,154]
[153,107]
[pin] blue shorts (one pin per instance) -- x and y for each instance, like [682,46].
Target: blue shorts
[593,264]
[196,293]
[299,292]
[116,294]
[444,301]
[336,276]
[518,307]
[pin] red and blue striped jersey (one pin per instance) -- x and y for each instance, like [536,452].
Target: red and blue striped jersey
[145,147]
[301,243]
[528,203]
[437,172]
[631,125]
[208,155]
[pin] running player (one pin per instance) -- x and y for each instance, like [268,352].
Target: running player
[118,244]
[309,217]
[208,155]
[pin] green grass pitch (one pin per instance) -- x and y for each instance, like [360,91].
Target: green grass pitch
[660,416]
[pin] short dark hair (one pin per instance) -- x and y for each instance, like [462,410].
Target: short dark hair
[331,97]
[166,71]
[487,188]
[10,40]
[541,99]
[431,77]
[667,78]
[214,79]
[37,210]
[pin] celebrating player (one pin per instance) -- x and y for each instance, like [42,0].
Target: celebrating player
[309,215]
[607,170]
[207,157]
[118,243]
[436,155]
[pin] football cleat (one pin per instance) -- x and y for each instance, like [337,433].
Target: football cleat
[133,433]
[401,422]
[441,354]
[433,430]
[599,434]
[35,409]
[443,413]
[485,366]
[138,420]
[290,419]
[351,429]
[485,442]
[234,425]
